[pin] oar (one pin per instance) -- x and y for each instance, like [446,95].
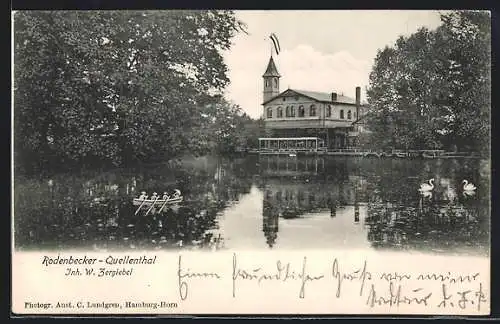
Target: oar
[152,205]
[165,203]
[144,201]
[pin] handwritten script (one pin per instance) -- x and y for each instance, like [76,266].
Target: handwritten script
[461,291]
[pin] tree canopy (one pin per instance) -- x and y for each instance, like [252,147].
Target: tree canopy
[431,90]
[116,86]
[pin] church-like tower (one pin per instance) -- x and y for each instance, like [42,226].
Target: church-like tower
[271,81]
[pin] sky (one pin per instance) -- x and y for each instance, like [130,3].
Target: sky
[329,51]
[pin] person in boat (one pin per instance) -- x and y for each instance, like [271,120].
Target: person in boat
[165,196]
[154,196]
[177,193]
[143,196]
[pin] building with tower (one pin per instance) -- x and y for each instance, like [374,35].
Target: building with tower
[302,119]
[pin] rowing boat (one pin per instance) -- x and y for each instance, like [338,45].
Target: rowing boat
[159,202]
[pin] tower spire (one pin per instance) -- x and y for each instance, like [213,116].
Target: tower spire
[271,80]
[271,70]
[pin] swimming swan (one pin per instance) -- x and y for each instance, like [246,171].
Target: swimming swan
[427,187]
[468,186]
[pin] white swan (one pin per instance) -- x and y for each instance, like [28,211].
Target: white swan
[427,187]
[468,186]
[468,193]
[426,194]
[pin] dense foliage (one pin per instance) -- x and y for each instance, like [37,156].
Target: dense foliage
[116,86]
[431,90]
[227,129]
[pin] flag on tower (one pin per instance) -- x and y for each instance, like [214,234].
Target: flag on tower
[276,43]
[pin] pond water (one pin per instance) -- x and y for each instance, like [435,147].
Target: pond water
[263,202]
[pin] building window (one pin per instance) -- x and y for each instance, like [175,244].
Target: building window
[280,112]
[287,111]
[292,111]
[329,111]
[312,111]
[341,113]
[349,115]
[267,83]
[354,115]
[276,82]
[301,111]
[284,98]
[269,112]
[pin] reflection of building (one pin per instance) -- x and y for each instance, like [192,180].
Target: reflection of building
[283,165]
[292,199]
[287,199]
[333,208]
[270,220]
[287,190]
[299,113]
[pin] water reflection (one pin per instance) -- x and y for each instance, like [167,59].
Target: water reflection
[263,202]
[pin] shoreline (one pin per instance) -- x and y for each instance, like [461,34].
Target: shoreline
[369,153]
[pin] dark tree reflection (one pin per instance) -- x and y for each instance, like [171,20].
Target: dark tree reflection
[445,220]
[97,211]
[397,216]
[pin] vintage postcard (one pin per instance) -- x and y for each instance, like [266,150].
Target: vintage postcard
[251,162]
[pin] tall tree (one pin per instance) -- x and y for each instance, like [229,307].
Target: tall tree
[466,36]
[431,89]
[115,85]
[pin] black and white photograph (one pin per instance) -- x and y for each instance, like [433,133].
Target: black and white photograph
[276,130]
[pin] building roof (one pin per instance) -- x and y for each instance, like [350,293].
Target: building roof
[271,69]
[325,96]
[318,96]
